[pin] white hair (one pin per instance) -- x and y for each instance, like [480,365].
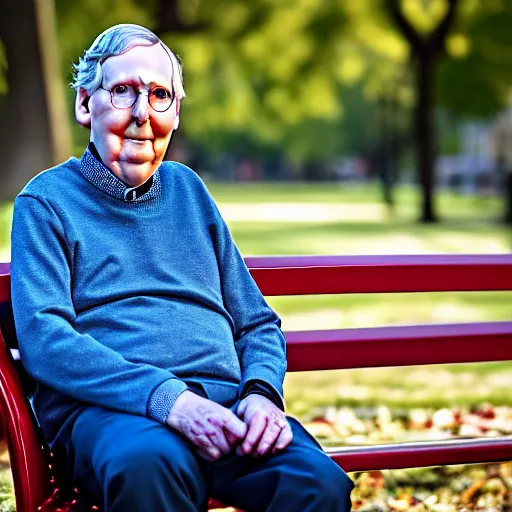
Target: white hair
[115,41]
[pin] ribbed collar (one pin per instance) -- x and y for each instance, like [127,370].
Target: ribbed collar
[101,176]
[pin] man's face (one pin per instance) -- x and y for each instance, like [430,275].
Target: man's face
[132,141]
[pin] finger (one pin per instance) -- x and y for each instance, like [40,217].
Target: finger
[202,441]
[284,438]
[234,425]
[256,428]
[211,451]
[205,455]
[242,406]
[231,439]
[268,439]
[218,439]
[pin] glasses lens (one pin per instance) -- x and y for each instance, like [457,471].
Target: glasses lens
[160,99]
[123,96]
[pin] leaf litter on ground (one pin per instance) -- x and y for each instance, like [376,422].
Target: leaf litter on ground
[436,489]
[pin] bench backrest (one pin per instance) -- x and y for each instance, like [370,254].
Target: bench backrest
[331,349]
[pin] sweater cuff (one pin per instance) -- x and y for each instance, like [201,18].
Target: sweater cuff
[163,397]
[260,387]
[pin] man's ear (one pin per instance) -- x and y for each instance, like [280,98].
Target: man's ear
[82,113]
[177,118]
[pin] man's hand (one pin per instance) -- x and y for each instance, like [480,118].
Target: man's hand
[214,429]
[268,430]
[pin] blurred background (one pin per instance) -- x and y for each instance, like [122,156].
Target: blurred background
[320,127]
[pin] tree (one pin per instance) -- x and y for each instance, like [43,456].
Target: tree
[35,131]
[244,77]
[426,52]
[476,82]
[270,76]
[25,142]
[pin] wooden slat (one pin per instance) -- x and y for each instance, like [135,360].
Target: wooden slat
[399,346]
[423,454]
[304,275]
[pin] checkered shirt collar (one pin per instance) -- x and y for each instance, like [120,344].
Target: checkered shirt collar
[101,176]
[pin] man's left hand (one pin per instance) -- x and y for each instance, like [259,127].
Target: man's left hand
[267,427]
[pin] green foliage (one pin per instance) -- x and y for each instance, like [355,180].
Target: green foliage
[262,68]
[304,78]
[477,80]
[79,23]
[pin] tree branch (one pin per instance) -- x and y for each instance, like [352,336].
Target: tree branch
[439,35]
[410,33]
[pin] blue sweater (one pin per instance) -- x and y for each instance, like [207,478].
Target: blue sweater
[120,301]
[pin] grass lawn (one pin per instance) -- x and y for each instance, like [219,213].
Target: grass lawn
[273,219]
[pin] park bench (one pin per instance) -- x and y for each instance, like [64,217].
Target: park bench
[317,350]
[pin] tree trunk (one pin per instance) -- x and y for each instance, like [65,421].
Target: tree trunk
[54,86]
[426,51]
[386,163]
[425,135]
[507,189]
[25,140]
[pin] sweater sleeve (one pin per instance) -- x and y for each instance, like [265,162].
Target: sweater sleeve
[259,342]
[52,350]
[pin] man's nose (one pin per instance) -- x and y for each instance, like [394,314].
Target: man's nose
[140,110]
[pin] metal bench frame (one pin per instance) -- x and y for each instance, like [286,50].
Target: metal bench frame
[321,350]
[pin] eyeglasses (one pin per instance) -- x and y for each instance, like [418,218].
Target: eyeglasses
[125,96]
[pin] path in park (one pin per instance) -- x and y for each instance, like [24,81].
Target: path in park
[301,212]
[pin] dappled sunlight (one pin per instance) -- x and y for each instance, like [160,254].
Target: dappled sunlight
[352,238]
[372,316]
[319,128]
[5,255]
[302,212]
[465,243]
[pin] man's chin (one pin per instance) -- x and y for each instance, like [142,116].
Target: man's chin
[135,173]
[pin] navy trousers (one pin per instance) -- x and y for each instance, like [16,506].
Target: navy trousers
[133,464]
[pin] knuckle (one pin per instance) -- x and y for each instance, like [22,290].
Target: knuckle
[270,433]
[203,441]
[251,438]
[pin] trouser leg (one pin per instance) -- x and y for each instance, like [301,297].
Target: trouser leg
[301,478]
[133,463]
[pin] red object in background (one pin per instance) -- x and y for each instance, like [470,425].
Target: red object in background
[312,350]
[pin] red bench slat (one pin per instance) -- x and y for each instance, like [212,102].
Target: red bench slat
[398,346]
[422,454]
[5,285]
[306,275]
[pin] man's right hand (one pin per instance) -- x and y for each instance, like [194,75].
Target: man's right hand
[213,429]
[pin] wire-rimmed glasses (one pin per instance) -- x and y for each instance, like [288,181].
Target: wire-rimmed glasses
[124,96]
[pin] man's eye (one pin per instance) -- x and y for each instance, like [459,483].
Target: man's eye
[121,89]
[160,93]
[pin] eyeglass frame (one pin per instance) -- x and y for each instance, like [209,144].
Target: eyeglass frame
[139,92]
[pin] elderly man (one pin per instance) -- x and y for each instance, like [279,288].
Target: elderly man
[159,364]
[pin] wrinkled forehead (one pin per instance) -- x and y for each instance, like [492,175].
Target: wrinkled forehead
[143,65]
